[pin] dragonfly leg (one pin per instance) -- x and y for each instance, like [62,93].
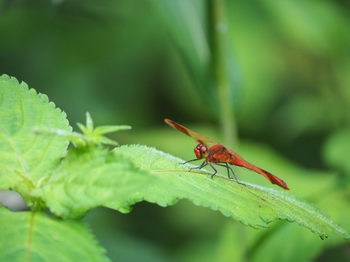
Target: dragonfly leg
[215,171]
[201,166]
[190,161]
[228,172]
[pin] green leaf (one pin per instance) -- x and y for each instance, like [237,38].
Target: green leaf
[90,177]
[185,22]
[28,236]
[250,204]
[90,136]
[24,156]
[95,135]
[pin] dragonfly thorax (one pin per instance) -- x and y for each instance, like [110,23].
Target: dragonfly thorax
[201,151]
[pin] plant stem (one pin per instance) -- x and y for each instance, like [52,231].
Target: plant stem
[218,30]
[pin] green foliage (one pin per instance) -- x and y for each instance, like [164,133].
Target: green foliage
[90,136]
[70,182]
[26,158]
[34,236]
[136,63]
[251,205]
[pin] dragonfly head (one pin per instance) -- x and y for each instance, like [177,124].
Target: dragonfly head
[201,151]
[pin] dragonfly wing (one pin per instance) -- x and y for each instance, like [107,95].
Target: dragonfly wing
[201,139]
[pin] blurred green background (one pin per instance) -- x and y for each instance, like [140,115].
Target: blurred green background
[138,62]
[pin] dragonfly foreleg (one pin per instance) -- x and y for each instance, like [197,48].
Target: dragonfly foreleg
[190,161]
[201,166]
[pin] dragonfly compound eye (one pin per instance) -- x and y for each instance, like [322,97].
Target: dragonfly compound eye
[201,151]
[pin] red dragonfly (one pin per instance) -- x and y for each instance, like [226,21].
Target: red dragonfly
[215,153]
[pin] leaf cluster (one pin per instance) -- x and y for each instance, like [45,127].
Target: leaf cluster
[69,181]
